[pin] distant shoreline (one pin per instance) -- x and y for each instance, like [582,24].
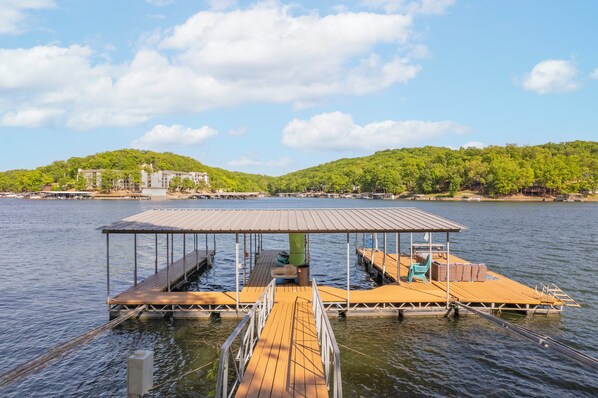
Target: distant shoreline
[66,195]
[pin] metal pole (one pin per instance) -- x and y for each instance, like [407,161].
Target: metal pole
[108,265]
[431,258]
[156,261]
[135,252]
[448,267]
[244,259]
[384,259]
[411,248]
[250,253]
[207,252]
[171,249]
[236,271]
[398,236]
[214,244]
[348,275]
[185,256]
[167,263]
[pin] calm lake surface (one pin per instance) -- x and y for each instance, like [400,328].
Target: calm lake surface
[53,287]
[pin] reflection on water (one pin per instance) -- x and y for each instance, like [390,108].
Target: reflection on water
[52,288]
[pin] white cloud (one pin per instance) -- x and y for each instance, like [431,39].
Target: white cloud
[552,76]
[264,53]
[162,136]
[32,117]
[336,131]
[221,5]
[473,144]
[594,75]
[15,13]
[425,7]
[251,161]
[238,131]
[159,3]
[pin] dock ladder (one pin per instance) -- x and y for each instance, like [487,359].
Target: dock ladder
[248,333]
[554,291]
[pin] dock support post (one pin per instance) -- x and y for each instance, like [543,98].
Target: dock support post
[156,260]
[372,256]
[135,253]
[244,259]
[398,238]
[185,256]
[214,244]
[411,248]
[384,259]
[448,267]
[167,263]
[348,275]
[236,271]
[431,258]
[108,267]
[251,253]
[207,249]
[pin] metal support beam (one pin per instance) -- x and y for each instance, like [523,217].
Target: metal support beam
[167,262]
[156,260]
[108,265]
[244,259]
[384,259]
[207,251]
[214,244]
[185,256]
[448,273]
[348,274]
[236,271]
[398,239]
[135,253]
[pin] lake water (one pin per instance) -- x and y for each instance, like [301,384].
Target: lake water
[53,287]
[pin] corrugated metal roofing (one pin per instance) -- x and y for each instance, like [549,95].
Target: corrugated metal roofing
[221,221]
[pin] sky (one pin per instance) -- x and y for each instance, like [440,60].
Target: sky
[271,87]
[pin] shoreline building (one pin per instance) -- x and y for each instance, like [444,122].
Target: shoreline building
[94,179]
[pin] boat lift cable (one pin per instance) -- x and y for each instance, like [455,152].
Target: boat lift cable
[41,361]
[541,339]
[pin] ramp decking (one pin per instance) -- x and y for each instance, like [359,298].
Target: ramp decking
[286,359]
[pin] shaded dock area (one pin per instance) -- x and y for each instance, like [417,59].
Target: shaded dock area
[496,291]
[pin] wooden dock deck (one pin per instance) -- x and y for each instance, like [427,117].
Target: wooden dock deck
[496,289]
[416,297]
[165,278]
[286,360]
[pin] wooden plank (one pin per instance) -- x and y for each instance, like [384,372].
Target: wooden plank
[286,360]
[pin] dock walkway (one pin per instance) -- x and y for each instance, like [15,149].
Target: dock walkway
[286,360]
[165,278]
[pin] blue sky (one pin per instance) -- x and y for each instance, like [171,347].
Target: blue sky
[271,87]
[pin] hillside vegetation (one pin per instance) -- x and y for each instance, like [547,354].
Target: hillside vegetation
[129,162]
[494,170]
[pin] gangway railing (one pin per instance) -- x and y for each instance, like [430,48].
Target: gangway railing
[331,357]
[246,334]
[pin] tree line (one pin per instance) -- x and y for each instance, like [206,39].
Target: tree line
[494,170]
[125,164]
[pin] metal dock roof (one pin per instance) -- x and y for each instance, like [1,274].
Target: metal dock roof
[222,221]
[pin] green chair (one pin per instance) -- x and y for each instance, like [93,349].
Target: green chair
[419,270]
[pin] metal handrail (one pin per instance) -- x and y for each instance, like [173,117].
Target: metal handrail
[248,331]
[331,357]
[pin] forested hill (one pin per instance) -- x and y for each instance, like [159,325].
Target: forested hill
[494,170]
[63,174]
